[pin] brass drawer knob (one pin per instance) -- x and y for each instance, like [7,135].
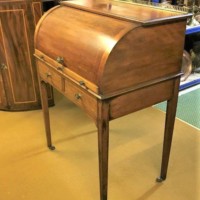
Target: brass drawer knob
[48,74]
[82,83]
[41,57]
[77,96]
[3,66]
[60,68]
[60,60]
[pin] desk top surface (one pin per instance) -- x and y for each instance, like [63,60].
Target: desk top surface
[139,11]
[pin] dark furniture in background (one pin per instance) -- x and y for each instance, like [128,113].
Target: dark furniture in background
[19,89]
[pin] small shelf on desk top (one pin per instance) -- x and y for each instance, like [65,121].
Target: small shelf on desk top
[192,29]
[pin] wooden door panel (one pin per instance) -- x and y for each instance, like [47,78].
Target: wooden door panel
[3,102]
[3,64]
[19,82]
[37,11]
[18,55]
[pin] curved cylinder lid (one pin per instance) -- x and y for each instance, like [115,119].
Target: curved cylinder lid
[107,48]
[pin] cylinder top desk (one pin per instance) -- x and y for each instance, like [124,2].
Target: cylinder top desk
[111,59]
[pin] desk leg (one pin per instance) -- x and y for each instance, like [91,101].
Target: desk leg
[103,147]
[45,108]
[169,128]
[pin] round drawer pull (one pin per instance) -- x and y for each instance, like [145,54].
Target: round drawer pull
[82,83]
[48,74]
[77,96]
[60,60]
[41,57]
[3,66]
[60,68]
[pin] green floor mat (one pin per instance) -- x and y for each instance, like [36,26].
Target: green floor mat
[188,108]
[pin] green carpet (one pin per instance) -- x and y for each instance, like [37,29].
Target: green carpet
[188,108]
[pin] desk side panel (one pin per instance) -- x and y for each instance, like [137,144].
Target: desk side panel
[141,98]
[144,54]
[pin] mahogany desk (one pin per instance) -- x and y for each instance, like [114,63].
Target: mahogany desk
[112,59]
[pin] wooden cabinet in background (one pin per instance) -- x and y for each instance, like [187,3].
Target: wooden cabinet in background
[19,88]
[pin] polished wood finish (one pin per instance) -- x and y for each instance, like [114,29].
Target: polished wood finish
[44,98]
[110,64]
[103,146]
[169,127]
[18,76]
[106,69]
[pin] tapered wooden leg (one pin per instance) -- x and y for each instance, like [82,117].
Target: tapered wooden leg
[169,128]
[103,147]
[45,108]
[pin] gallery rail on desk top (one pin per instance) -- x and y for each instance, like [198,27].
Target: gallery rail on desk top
[139,11]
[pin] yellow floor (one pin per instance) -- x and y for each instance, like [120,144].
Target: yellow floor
[29,171]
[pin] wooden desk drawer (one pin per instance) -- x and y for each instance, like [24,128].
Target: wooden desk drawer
[51,76]
[81,98]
